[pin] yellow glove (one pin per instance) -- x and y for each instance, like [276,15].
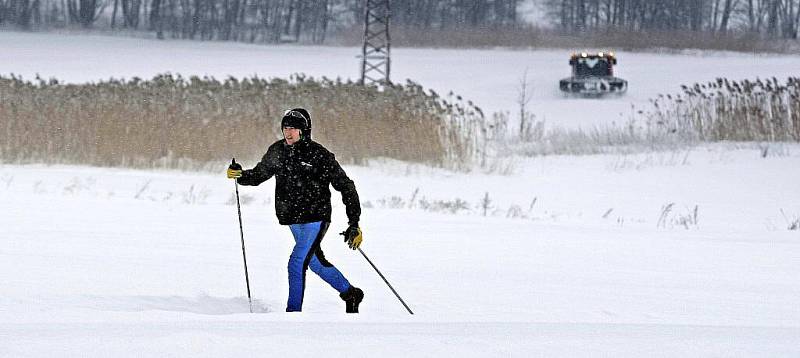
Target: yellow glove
[234,173]
[352,236]
[234,170]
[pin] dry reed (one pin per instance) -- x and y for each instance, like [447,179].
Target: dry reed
[725,110]
[172,122]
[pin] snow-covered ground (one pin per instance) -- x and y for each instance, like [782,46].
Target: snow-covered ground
[572,256]
[111,262]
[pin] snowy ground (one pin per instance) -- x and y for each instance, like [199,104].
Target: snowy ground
[573,257]
[130,263]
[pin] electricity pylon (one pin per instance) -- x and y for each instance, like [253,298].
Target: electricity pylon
[375,61]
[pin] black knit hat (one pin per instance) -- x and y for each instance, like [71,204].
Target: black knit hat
[298,118]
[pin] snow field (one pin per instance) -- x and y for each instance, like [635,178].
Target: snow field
[123,263]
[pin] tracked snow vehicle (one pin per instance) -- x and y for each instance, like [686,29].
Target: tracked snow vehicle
[593,75]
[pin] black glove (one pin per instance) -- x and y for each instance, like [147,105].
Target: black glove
[234,170]
[352,236]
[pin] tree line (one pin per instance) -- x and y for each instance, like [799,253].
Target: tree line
[767,18]
[269,21]
[274,21]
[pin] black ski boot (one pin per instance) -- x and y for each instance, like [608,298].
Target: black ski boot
[352,297]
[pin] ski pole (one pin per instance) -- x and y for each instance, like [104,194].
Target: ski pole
[241,232]
[384,280]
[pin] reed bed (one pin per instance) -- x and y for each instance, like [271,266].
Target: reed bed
[726,110]
[198,123]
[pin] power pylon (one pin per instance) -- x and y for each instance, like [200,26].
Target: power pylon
[375,61]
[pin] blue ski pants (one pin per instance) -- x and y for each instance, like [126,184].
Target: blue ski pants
[308,254]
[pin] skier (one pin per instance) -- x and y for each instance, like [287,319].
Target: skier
[303,170]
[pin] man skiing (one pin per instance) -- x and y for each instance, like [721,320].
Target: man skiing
[303,171]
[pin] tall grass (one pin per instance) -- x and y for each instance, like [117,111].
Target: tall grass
[725,110]
[200,123]
[192,123]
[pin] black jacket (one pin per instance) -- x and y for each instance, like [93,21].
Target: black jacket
[303,173]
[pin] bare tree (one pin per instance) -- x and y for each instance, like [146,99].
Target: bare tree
[85,12]
[524,96]
[727,8]
[130,12]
